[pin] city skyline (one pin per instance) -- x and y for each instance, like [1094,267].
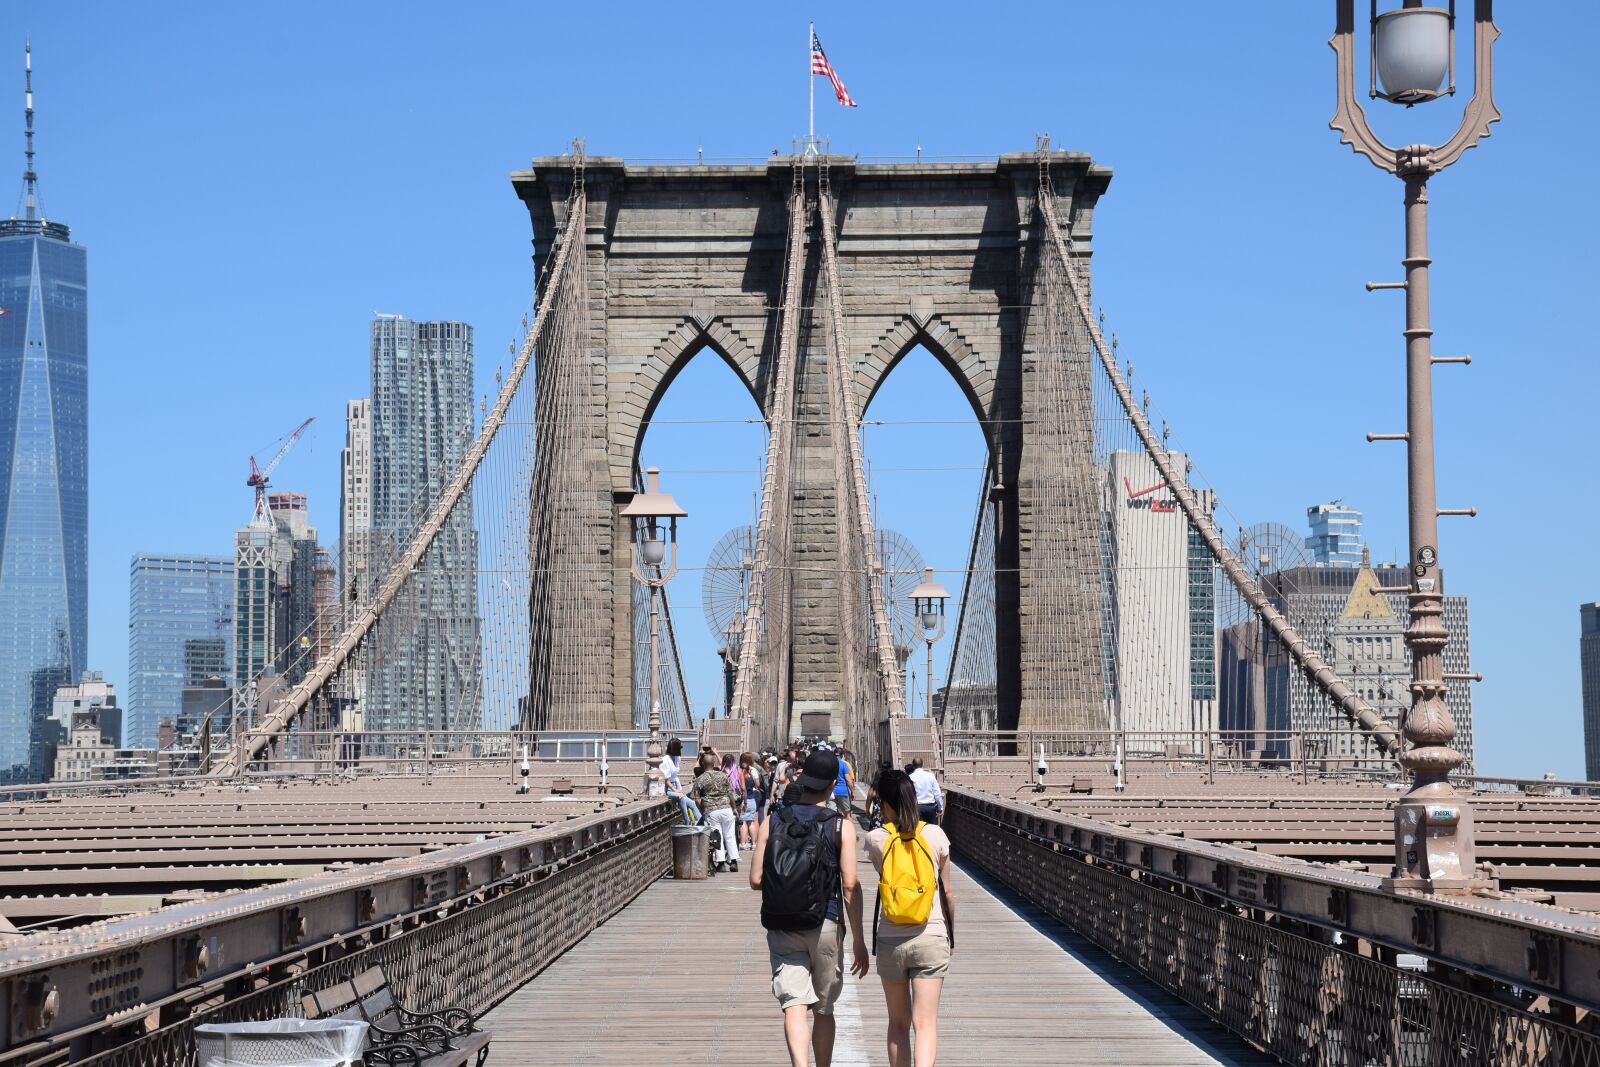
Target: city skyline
[1147,262]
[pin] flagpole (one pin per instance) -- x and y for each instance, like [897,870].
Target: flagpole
[811,87]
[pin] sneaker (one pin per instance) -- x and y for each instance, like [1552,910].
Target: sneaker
[734,866]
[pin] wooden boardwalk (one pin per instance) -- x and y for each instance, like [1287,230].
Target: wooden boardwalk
[680,977]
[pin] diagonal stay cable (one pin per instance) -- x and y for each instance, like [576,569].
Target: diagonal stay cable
[856,488]
[284,712]
[780,446]
[1315,667]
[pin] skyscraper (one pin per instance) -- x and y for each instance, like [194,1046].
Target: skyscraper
[176,604]
[274,597]
[1163,604]
[1589,657]
[355,507]
[44,472]
[1335,610]
[1335,539]
[421,425]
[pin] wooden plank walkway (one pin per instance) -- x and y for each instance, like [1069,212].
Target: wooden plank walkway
[680,977]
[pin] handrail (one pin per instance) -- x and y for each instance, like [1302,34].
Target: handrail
[1490,935]
[204,945]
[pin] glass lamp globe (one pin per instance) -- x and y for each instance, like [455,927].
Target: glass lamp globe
[930,619]
[1413,52]
[652,551]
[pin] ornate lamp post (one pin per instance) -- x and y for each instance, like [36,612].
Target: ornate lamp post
[732,637]
[654,517]
[1412,56]
[927,600]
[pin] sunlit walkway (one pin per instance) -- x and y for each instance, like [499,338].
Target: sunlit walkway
[680,977]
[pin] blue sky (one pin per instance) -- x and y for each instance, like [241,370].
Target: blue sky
[253,181]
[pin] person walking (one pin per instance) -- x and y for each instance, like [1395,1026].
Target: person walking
[805,870]
[843,748]
[915,928]
[773,779]
[714,794]
[754,800]
[930,798]
[844,789]
[791,785]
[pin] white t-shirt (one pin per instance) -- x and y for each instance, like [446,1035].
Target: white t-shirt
[939,845]
[669,770]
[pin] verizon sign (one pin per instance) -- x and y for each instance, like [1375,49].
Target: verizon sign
[1146,500]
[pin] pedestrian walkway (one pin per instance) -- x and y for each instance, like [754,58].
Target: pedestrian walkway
[680,977]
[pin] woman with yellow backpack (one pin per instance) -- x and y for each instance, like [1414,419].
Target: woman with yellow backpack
[915,930]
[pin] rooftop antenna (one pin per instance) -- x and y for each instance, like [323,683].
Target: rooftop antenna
[30,180]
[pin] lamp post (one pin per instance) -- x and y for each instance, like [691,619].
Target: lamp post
[731,638]
[927,600]
[654,517]
[1412,56]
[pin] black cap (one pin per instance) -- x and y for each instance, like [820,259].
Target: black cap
[821,770]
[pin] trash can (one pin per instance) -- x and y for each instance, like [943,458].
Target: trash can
[282,1042]
[691,852]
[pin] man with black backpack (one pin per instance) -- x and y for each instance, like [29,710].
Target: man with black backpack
[805,870]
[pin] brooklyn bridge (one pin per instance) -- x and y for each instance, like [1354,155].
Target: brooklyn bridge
[1141,880]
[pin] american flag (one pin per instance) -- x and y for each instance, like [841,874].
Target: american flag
[820,65]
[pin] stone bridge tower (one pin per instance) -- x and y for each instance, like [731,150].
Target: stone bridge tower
[683,258]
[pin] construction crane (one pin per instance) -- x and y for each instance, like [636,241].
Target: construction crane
[258,476]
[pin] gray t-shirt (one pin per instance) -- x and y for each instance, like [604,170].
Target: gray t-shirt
[939,845]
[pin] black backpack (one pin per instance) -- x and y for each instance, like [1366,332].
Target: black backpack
[800,871]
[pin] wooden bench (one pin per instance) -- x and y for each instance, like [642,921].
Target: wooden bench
[397,1036]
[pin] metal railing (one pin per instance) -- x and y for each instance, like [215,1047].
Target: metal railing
[463,926]
[328,754]
[1303,961]
[1200,752]
[1347,752]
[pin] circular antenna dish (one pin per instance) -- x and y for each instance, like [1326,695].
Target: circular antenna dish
[726,583]
[902,570]
[1270,552]
[1270,547]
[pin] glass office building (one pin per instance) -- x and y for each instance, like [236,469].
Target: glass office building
[1335,539]
[178,607]
[44,470]
[421,425]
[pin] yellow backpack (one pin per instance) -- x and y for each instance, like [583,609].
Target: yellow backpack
[909,878]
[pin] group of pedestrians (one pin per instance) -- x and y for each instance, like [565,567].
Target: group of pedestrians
[794,811]
[730,794]
[805,867]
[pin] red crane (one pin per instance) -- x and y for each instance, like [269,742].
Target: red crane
[258,477]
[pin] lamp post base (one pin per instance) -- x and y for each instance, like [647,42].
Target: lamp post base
[1434,843]
[1453,886]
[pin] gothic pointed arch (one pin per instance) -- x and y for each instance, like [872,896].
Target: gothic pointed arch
[974,372]
[644,389]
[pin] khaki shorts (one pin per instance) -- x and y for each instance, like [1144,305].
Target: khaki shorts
[925,956]
[806,966]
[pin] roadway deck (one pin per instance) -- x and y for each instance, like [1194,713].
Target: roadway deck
[680,977]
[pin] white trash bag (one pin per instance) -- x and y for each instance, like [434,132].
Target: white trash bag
[281,1043]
